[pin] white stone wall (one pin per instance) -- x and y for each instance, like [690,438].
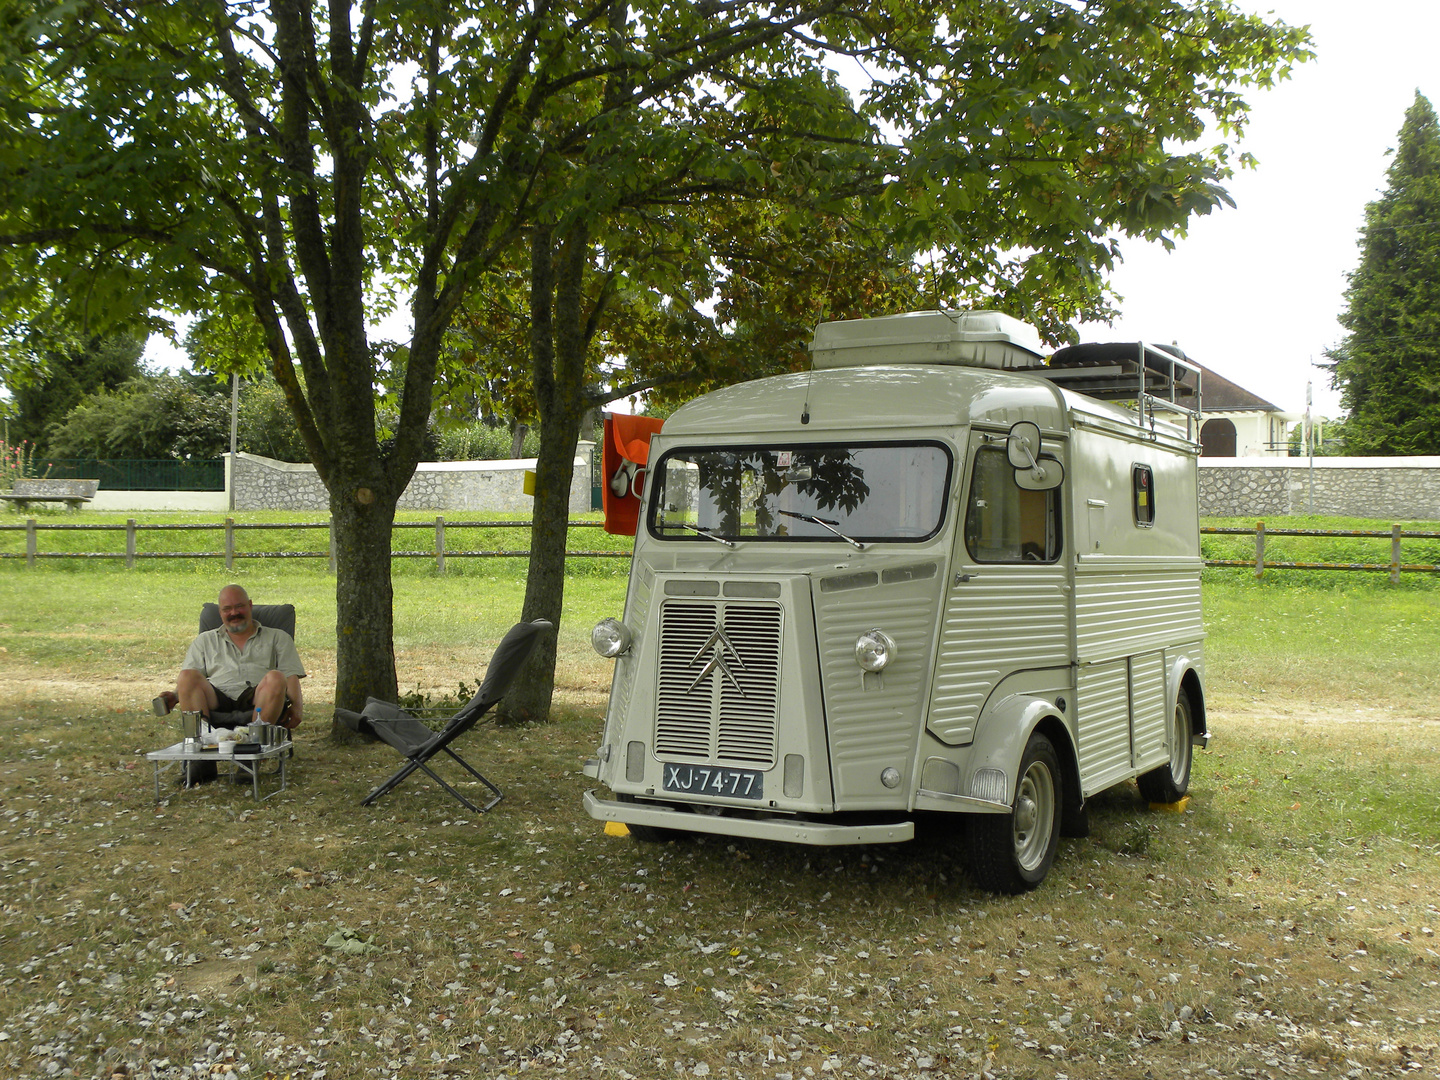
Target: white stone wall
[189,502]
[264,484]
[1399,489]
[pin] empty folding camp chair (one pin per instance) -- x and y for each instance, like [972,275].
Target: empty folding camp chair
[419,742]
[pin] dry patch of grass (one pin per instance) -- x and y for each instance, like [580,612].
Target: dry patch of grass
[306,936]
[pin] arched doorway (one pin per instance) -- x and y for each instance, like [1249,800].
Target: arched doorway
[1217,439]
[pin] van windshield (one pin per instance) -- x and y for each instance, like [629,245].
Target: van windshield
[833,493]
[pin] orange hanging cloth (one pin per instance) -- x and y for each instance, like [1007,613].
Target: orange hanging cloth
[623,461]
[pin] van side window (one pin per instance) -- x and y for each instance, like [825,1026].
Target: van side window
[1003,522]
[1143,486]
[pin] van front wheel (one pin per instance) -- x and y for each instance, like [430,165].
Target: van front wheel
[1012,853]
[1170,782]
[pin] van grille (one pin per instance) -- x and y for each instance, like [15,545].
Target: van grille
[719,682]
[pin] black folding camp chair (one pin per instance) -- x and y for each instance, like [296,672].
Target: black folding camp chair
[275,616]
[419,743]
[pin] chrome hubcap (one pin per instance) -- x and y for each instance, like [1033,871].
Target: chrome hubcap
[1180,747]
[1034,815]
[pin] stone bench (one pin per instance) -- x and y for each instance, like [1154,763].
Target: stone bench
[71,492]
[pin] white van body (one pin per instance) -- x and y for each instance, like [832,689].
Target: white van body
[859,595]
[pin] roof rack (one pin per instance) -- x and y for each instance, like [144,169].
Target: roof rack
[1155,377]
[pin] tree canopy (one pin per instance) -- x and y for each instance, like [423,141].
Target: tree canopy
[47,380]
[645,186]
[1388,367]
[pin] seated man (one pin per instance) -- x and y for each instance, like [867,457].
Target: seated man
[242,666]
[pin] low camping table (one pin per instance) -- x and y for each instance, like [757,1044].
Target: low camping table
[245,764]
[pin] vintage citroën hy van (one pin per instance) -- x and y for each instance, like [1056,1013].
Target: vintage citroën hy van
[939,573]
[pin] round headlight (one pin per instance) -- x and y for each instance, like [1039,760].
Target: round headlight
[874,650]
[610,637]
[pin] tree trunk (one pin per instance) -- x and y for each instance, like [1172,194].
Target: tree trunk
[529,699]
[363,519]
[558,341]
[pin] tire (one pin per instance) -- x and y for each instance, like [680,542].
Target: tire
[1011,853]
[1170,781]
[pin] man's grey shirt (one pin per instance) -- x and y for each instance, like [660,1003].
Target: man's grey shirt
[230,669]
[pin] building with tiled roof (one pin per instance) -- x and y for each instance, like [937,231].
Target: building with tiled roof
[1239,423]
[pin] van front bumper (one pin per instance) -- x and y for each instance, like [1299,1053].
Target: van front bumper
[783,829]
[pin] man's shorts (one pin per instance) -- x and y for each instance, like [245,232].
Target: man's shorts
[246,703]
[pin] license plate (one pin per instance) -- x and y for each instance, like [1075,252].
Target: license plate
[713,780]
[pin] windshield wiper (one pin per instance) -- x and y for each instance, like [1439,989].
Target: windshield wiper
[707,533]
[813,520]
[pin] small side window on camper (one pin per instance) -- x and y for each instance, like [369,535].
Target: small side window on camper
[1143,483]
[1005,523]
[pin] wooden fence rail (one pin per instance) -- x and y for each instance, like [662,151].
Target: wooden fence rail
[230,527]
[1395,566]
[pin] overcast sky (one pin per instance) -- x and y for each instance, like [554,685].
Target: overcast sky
[1253,292]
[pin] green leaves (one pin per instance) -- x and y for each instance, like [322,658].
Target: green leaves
[1039,129]
[146,151]
[150,416]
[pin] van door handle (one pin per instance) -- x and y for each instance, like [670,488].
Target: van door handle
[965,577]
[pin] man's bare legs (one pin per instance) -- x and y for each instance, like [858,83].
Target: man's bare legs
[270,697]
[195,692]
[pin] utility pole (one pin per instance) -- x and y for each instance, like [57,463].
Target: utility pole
[1310,445]
[234,432]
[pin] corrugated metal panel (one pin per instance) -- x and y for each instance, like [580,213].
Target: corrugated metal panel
[1123,612]
[1102,722]
[877,716]
[1147,707]
[1007,619]
[637,611]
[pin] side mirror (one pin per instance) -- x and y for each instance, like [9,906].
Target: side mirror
[1023,445]
[1032,473]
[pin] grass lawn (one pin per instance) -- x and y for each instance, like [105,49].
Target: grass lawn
[1283,925]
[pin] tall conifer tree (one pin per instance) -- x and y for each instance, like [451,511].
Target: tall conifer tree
[1388,368]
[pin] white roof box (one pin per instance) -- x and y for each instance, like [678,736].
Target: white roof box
[968,338]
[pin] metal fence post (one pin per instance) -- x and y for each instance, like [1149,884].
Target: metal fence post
[229,543]
[440,544]
[30,545]
[129,543]
[1395,553]
[1259,548]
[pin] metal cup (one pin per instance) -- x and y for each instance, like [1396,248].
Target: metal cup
[192,746]
[190,726]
